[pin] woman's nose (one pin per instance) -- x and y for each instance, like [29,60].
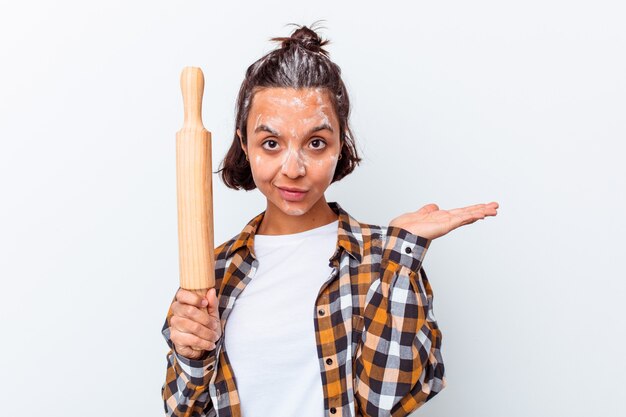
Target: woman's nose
[293,165]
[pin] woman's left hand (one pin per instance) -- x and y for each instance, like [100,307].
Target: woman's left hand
[431,223]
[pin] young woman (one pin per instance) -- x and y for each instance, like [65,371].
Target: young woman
[313,312]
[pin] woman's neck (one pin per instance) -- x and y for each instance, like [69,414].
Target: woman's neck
[276,222]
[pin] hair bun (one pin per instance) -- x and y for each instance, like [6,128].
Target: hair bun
[305,37]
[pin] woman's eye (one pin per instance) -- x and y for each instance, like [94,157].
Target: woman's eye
[318,144]
[272,146]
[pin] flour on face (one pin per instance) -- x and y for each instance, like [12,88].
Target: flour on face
[284,153]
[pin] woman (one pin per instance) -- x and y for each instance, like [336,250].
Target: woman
[353,334]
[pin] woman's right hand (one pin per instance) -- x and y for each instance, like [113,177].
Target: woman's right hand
[195,324]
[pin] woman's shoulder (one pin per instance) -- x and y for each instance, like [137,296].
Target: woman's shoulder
[225,249]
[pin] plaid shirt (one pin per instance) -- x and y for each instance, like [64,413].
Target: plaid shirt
[378,343]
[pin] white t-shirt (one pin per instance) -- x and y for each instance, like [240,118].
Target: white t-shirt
[270,333]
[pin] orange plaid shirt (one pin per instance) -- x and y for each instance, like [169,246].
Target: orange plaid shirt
[378,342]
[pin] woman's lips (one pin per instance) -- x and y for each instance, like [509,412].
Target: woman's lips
[291,195]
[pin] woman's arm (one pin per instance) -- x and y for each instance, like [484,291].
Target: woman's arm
[186,388]
[398,366]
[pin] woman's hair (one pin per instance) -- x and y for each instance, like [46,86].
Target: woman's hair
[300,62]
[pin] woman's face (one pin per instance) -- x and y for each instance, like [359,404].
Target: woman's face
[293,143]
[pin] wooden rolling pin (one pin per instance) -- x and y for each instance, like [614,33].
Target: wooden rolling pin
[194,189]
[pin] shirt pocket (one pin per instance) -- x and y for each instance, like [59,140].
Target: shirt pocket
[357,332]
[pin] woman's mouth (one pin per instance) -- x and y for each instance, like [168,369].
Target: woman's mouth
[291,195]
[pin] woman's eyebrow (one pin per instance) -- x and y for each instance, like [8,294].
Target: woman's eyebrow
[266,128]
[321,127]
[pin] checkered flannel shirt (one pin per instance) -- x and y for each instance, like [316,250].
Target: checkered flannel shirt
[378,342]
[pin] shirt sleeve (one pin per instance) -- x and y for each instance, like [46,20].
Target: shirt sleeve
[186,388]
[398,364]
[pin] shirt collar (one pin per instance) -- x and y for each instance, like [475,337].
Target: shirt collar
[347,233]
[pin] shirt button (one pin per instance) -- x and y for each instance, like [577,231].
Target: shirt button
[407,250]
[210,367]
[218,394]
[333,410]
[329,361]
[321,312]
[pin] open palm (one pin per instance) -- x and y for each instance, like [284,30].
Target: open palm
[431,222]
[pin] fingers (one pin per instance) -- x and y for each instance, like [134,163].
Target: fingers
[476,215]
[195,321]
[191,312]
[187,340]
[212,303]
[471,208]
[184,325]
[188,352]
[189,297]
[473,216]
[428,208]
[197,327]
[187,333]
[476,211]
[473,212]
[208,303]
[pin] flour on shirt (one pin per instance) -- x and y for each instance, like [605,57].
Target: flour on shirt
[270,333]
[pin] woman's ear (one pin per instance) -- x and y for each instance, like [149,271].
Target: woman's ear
[245,150]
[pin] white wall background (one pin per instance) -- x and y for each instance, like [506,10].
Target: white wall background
[454,102]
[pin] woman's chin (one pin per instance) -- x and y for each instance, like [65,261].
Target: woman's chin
[293,208]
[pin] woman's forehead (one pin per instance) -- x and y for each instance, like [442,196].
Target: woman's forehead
[278,105]
[291,98]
